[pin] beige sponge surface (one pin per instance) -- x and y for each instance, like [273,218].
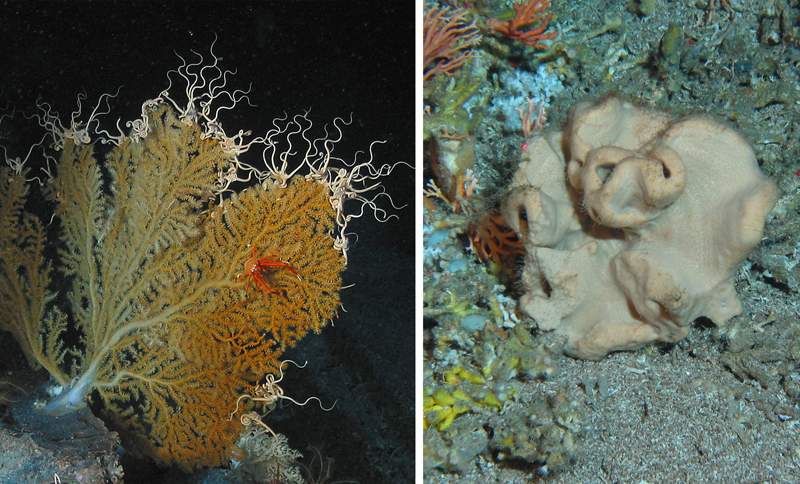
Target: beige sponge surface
[634,225]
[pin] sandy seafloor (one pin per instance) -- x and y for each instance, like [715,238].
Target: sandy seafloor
[720,406]
[671,417]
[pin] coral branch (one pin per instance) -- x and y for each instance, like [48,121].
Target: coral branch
[448,38]
[527,14]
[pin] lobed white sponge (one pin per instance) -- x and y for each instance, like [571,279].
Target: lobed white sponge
[634,225]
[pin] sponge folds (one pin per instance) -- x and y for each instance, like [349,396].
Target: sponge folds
[634,225]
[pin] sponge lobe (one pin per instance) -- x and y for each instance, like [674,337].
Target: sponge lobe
[634,225]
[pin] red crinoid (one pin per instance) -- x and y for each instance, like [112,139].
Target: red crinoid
[254,268]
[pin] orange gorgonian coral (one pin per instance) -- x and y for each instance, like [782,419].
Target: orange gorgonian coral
[157,329]
[448,38]
[527,14]
[491,238]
